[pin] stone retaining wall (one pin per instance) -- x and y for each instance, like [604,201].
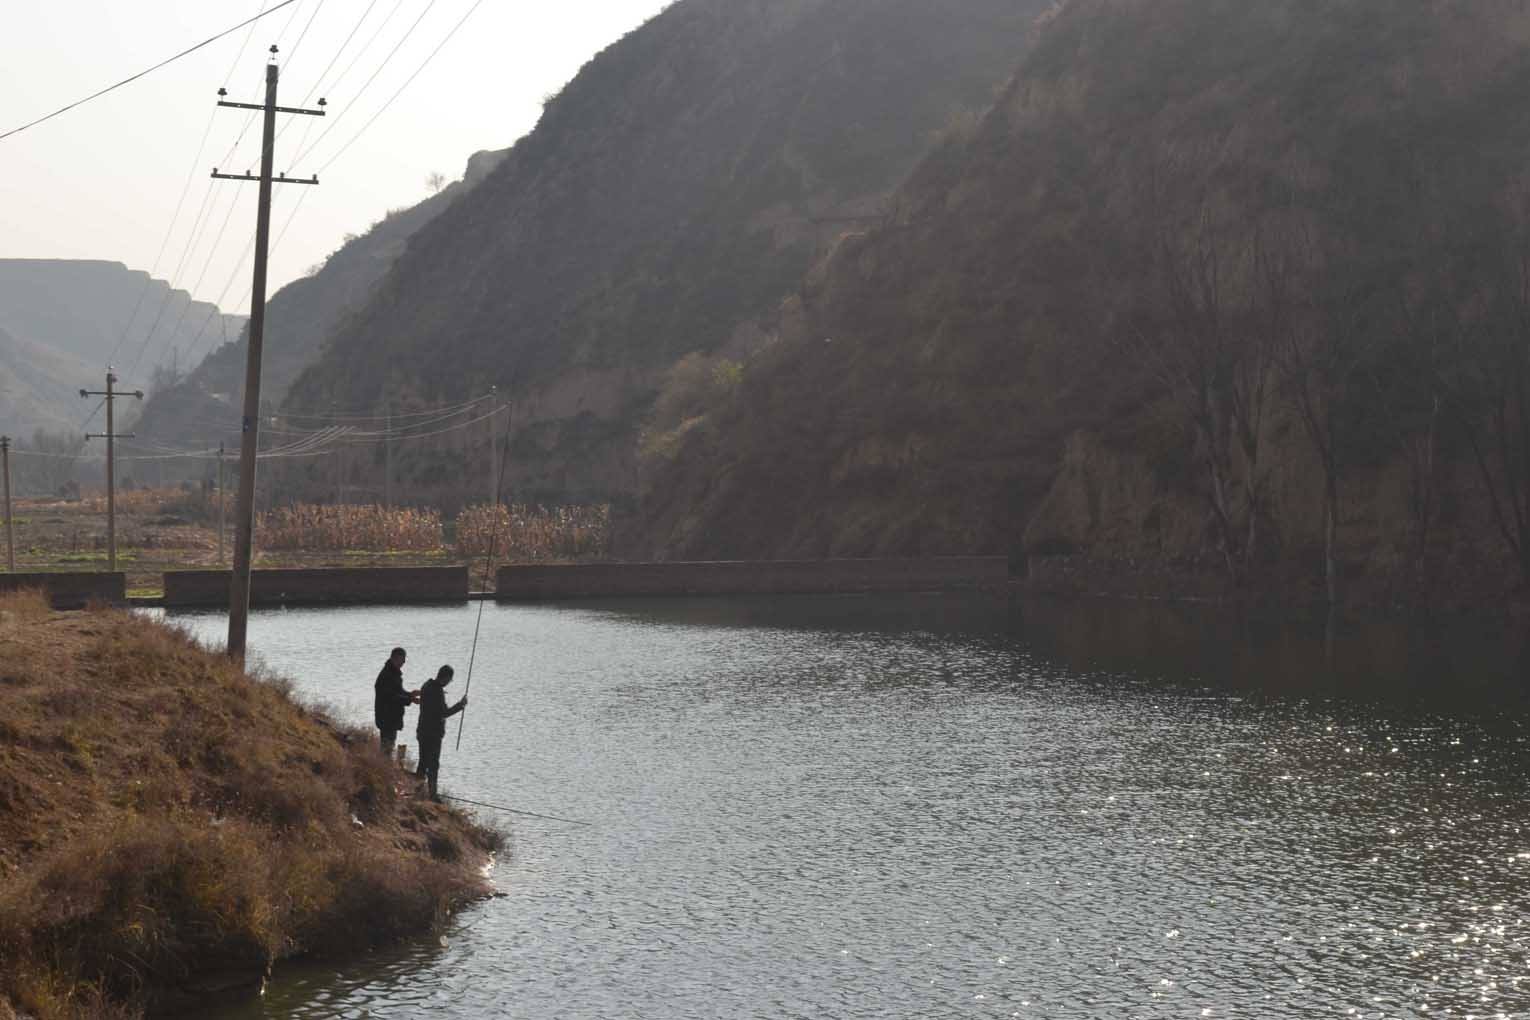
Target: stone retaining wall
[73,590]
[780,577]
[321,586]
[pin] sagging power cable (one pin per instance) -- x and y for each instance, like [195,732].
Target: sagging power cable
[140,74]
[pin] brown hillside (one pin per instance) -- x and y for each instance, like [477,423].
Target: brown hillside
[1178,209]
[672,193]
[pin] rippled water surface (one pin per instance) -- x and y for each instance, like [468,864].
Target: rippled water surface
[924,807]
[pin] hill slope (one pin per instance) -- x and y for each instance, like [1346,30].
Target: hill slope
[672,194]
[205,406]
[1183,217]
[66,318]
[40,387]
[87,309]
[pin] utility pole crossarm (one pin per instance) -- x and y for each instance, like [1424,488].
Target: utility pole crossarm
[261,107]
[278,179]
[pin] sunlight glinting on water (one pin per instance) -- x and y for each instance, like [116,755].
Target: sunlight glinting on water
[839,812]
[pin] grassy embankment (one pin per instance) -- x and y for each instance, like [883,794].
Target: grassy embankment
[170,825]
[177,529]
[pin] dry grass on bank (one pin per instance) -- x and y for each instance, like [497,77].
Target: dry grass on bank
[163,817]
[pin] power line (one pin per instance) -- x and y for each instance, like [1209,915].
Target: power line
[92,415]
[401,88]
[195,344]
[140,74]
[190,300]
[194,239]
[365,47]
[292,53]
[366,84]
[170,230]
[358,417]
[332,60]
[185,190]
[198,227]
[315,444]
[196,341]
[287,25]
[303,139]
[324,441]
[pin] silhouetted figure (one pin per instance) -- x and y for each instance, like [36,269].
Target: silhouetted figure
[430,730]
[391,701]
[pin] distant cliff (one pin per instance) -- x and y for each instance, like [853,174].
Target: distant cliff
[671,195]
[39,387]
[1233,289]
[61,320]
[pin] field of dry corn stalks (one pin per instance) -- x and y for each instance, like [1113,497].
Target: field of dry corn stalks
[534,534]
[331,528]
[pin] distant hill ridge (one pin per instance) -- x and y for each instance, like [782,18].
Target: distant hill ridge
[65,318]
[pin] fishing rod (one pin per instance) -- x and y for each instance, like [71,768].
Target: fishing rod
[499,492]
[513,811]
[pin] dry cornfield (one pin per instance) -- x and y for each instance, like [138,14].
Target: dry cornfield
[136,501]
[532,534]
[334,528]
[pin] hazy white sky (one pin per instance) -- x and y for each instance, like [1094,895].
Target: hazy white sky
[103,181]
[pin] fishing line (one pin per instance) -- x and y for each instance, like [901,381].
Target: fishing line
[499,487]
[514,811]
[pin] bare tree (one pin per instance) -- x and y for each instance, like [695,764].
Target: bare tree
[1490,394]
[1411,387]
[1273,298]
[1192,340]
[435,181]
[1323,360]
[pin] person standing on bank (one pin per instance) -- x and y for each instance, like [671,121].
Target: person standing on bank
[392,699]
[430,730]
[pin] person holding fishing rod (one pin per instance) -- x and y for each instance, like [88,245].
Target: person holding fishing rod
[431,728]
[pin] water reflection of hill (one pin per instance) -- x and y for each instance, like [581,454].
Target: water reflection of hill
[1409,660]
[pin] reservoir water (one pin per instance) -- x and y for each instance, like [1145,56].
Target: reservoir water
[934,806]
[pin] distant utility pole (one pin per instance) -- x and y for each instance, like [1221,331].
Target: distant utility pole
[493,446]
[10,529]
[249,448]
[388,459]
[222,510]
[111,436]
[339,468]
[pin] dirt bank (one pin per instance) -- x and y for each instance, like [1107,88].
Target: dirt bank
[171,827]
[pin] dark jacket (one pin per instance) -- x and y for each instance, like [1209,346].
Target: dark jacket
[392,699]
[433,712]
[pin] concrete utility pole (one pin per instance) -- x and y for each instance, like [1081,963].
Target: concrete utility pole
[111,436]
[249,447]
[493,446]
[222,510]
[388,460]
[10,528]
[339,460]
